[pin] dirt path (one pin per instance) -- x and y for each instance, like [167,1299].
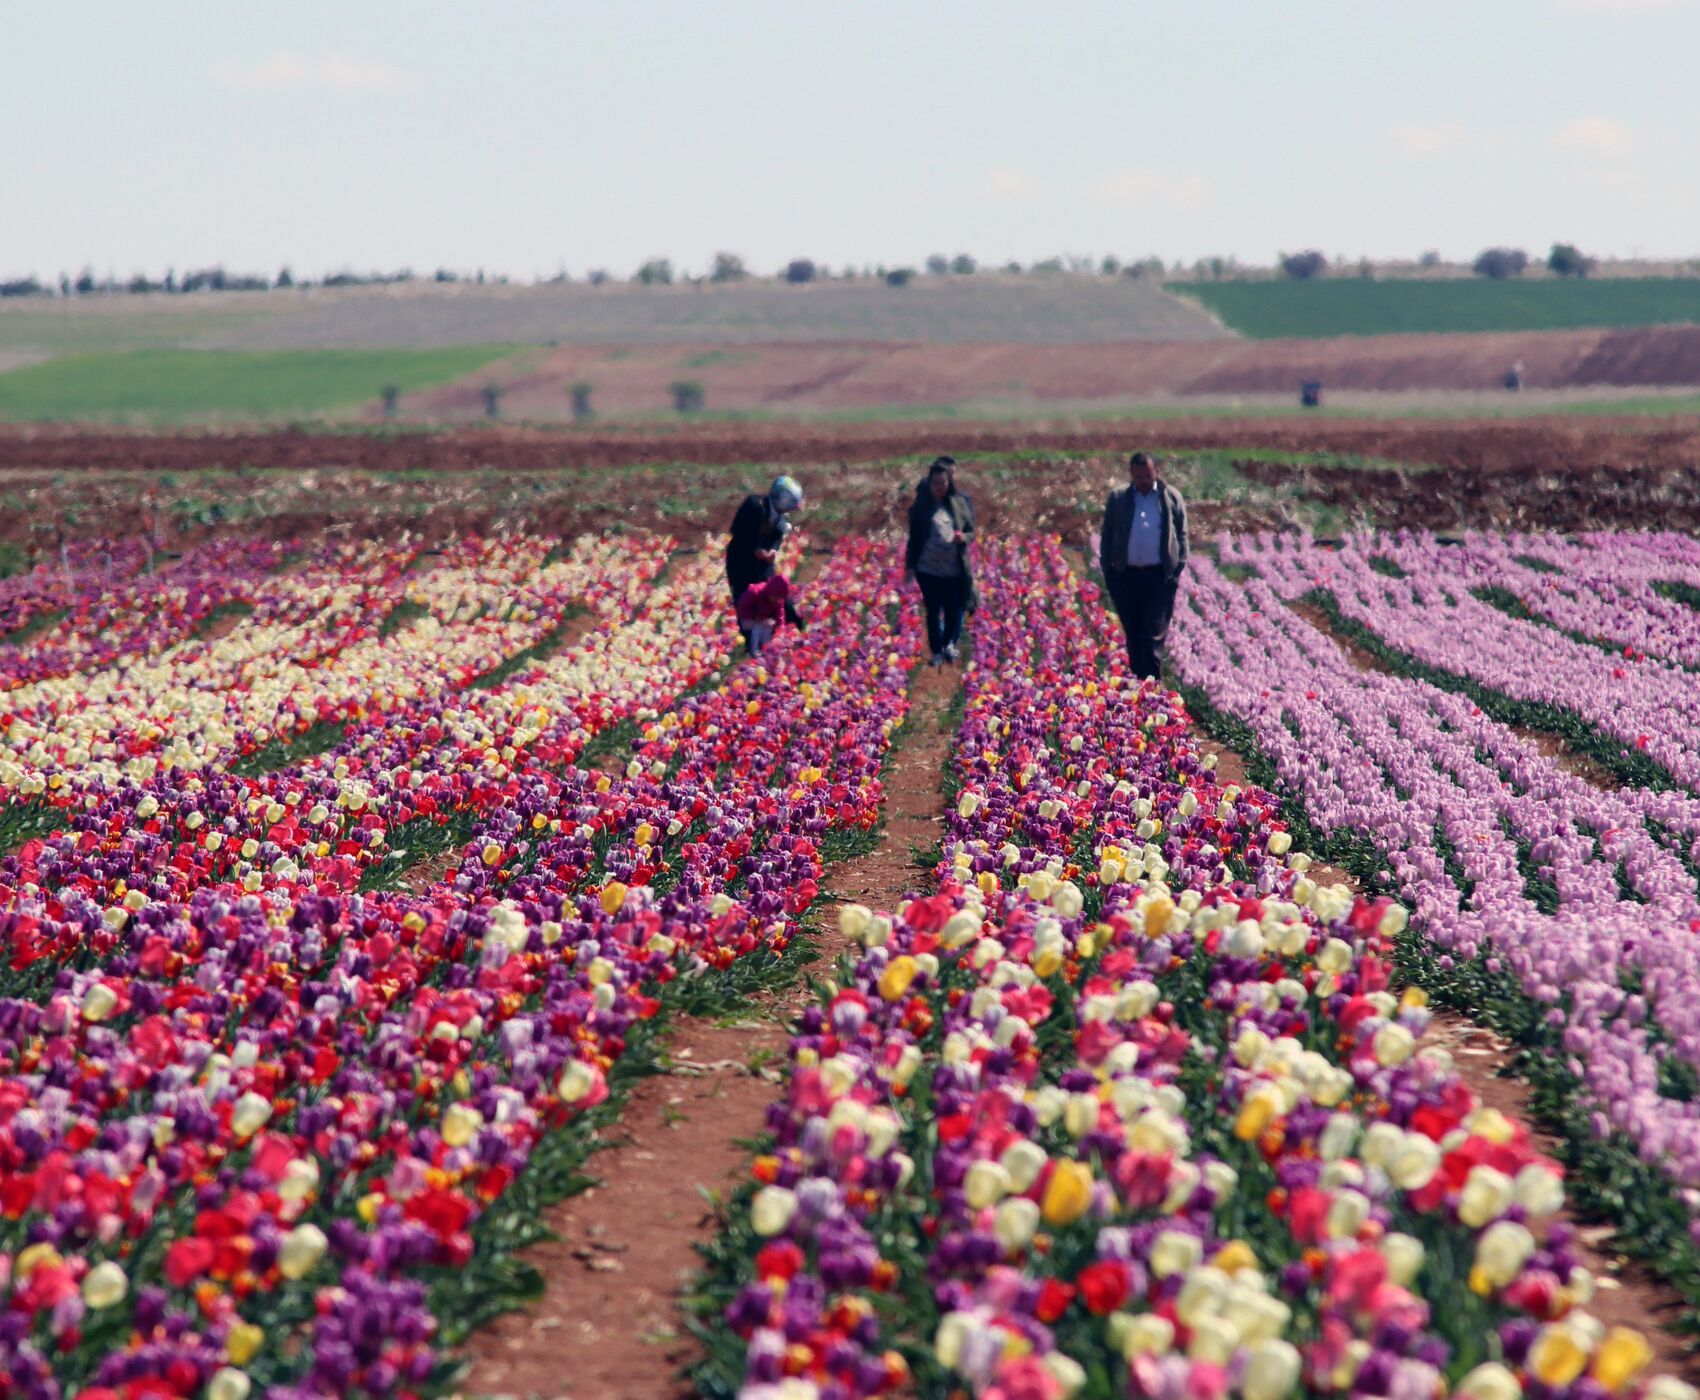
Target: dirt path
[1628,1293]
[608,1325]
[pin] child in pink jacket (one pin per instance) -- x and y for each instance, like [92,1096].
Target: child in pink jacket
[761,608]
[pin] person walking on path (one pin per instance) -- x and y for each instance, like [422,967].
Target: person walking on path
[1142,550]
[758,529]
[941,524]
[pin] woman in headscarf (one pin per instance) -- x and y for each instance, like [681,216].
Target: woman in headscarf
[941,523]
[758,529]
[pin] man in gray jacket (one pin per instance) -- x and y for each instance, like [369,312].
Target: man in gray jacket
[1142,551]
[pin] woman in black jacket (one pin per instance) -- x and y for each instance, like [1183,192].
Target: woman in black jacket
[758,529]
[941,523]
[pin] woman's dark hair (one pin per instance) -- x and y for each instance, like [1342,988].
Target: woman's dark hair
[943,464]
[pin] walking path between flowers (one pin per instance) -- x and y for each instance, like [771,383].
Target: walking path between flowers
[1629,1295]
[608,1324]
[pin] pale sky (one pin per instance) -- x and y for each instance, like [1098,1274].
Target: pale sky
[522,136]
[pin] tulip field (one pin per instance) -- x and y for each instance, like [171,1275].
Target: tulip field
[1132,1104]
[347,886]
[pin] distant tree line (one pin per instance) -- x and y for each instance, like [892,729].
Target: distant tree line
[217,279]
[1497,263]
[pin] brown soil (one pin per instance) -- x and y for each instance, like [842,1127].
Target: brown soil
[222,627]
[608,1325]
[1361,657]
[1574,474]
[1555,747]
[1628,1294]
[433,870]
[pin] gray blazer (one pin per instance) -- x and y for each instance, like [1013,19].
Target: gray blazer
[1118,520]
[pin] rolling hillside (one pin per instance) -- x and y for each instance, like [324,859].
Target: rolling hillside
[1356,306]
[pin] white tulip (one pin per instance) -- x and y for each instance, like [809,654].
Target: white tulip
[105,1285]
[772,1209]
[228,1383]
[1015,1222]
[301,1250]
[1490,1381]
[1486,1196]
[1502,1250]
[1271,1370]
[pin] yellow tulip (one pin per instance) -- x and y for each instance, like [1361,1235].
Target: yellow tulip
[1067,1193]
[461,1123]
[1234,1256]
[243,1342]
[613,897]
[895,980]
[1557,1357]
[1255,1116]
[1621,1357]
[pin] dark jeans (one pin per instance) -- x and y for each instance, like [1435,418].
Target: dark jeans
[1145,601]
[946,600]
[738,586]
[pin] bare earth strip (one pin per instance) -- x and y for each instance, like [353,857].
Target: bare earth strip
[846,374]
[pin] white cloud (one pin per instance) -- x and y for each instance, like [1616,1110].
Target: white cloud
[1013,186]
[288,70]
[1597,136]
[1427,140]
[1144,187]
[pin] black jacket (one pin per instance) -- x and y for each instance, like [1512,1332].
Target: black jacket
[921,511]
[1118,520]
[757,525]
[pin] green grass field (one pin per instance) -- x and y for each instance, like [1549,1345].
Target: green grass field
[1355,306]
[178,386]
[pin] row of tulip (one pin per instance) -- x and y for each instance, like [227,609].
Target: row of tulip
[146,613]
[326,648]
[1127,1107]
[1624,590]
[400,783]
[1576,892]
[240,1144]
[1645,708]
[1558,913]
[80,569]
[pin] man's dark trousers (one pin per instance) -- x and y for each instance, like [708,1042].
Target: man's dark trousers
[1145,601]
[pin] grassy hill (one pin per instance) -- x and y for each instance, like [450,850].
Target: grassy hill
[176,386]
[988,308]
[1356,306]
